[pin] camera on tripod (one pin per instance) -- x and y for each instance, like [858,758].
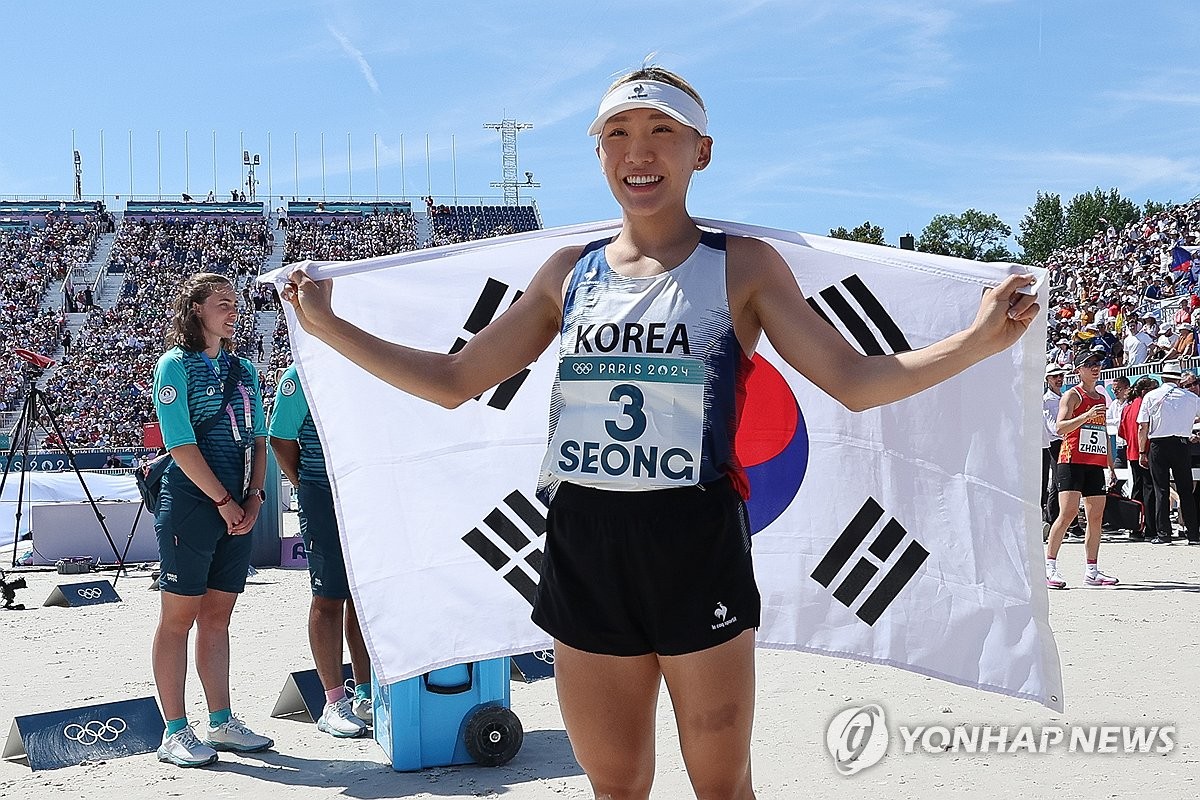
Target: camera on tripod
[36,359]
[37,411]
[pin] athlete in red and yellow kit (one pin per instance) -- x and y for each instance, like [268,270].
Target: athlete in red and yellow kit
[1080,471]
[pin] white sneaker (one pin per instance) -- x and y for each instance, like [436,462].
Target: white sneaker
[338,720]
[234,735]
[183,749]
[1099,579]
[363,709]
[1055,581]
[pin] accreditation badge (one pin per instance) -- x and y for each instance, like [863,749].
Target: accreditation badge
[629,422]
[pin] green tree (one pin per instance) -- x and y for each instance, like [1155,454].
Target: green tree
[1042,229]
[865,233]
[1153,207]
[1093,211]
[971,234]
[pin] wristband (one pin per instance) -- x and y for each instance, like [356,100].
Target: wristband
[223,500]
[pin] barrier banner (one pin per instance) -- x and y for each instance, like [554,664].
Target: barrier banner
[55,739]
[88,593]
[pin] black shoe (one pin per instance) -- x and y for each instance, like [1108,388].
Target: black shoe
[1136,537]
[1160,540]
[1193,540]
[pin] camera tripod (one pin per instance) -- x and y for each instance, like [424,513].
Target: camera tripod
[21,435]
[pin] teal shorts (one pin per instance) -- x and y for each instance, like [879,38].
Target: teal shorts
[195,550]
[319,528]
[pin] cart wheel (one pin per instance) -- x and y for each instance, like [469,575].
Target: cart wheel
[493,736]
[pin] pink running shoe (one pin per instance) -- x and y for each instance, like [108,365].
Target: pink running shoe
[1100,579]
[1055,581]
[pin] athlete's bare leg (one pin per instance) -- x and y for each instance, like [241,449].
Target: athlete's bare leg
[712,692]
[608,704]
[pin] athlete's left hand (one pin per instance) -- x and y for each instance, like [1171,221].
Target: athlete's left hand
[1004,315]
[251,508]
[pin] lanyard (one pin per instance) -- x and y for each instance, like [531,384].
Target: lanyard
[237,434]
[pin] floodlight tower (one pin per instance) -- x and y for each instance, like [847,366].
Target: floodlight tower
[508,159]
[251,181]
[78,176]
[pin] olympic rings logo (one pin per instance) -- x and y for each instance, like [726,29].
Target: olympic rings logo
[545,656]
[582,368]
[95,731]
[90,593]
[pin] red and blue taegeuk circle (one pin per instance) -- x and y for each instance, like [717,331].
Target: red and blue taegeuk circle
[771,443]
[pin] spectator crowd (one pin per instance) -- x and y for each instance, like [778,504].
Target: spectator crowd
[1118,294]
[102,389]
[349,239]
[32,259]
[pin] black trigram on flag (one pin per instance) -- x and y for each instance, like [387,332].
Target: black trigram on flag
[878,556]
[858,321]
[485,310]
[514,550]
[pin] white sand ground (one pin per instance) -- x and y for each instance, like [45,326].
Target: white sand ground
[1131,655]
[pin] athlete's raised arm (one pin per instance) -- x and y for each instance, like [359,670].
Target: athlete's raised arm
[765,297]
[502,349]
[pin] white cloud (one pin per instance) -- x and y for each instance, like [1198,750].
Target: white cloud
[357,56]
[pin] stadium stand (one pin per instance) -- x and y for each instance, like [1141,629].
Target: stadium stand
[453,224]
[318,236]
[33,258]
[40,212]
[173,209]
[102,389]
[1099,288]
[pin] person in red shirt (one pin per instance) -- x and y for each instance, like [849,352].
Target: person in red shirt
[1082,460]
[1142,489]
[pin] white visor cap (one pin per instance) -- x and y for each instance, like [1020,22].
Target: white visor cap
[670,100]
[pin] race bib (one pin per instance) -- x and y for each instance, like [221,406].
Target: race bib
[1093,439]
[629,422]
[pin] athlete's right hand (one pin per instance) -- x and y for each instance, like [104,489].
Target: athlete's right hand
[232,513]
[311,299]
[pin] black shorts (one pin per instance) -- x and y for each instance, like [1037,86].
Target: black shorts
[1088,479]
[667,571]
[318,527]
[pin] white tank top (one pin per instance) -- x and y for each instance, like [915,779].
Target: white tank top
[648,378]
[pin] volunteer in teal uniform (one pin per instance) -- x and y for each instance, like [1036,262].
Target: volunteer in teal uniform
[298,450]
[210,500]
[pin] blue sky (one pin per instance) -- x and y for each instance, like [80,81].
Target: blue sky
[823,113]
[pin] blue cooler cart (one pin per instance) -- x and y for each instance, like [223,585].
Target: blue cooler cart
[453,715]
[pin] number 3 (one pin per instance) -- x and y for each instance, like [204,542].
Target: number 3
[632,409]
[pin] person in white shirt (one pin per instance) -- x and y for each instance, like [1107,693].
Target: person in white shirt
[1135,344]
[1150,327]
[1060,356]
[1051,442]
[1120,389]
[1164,427]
